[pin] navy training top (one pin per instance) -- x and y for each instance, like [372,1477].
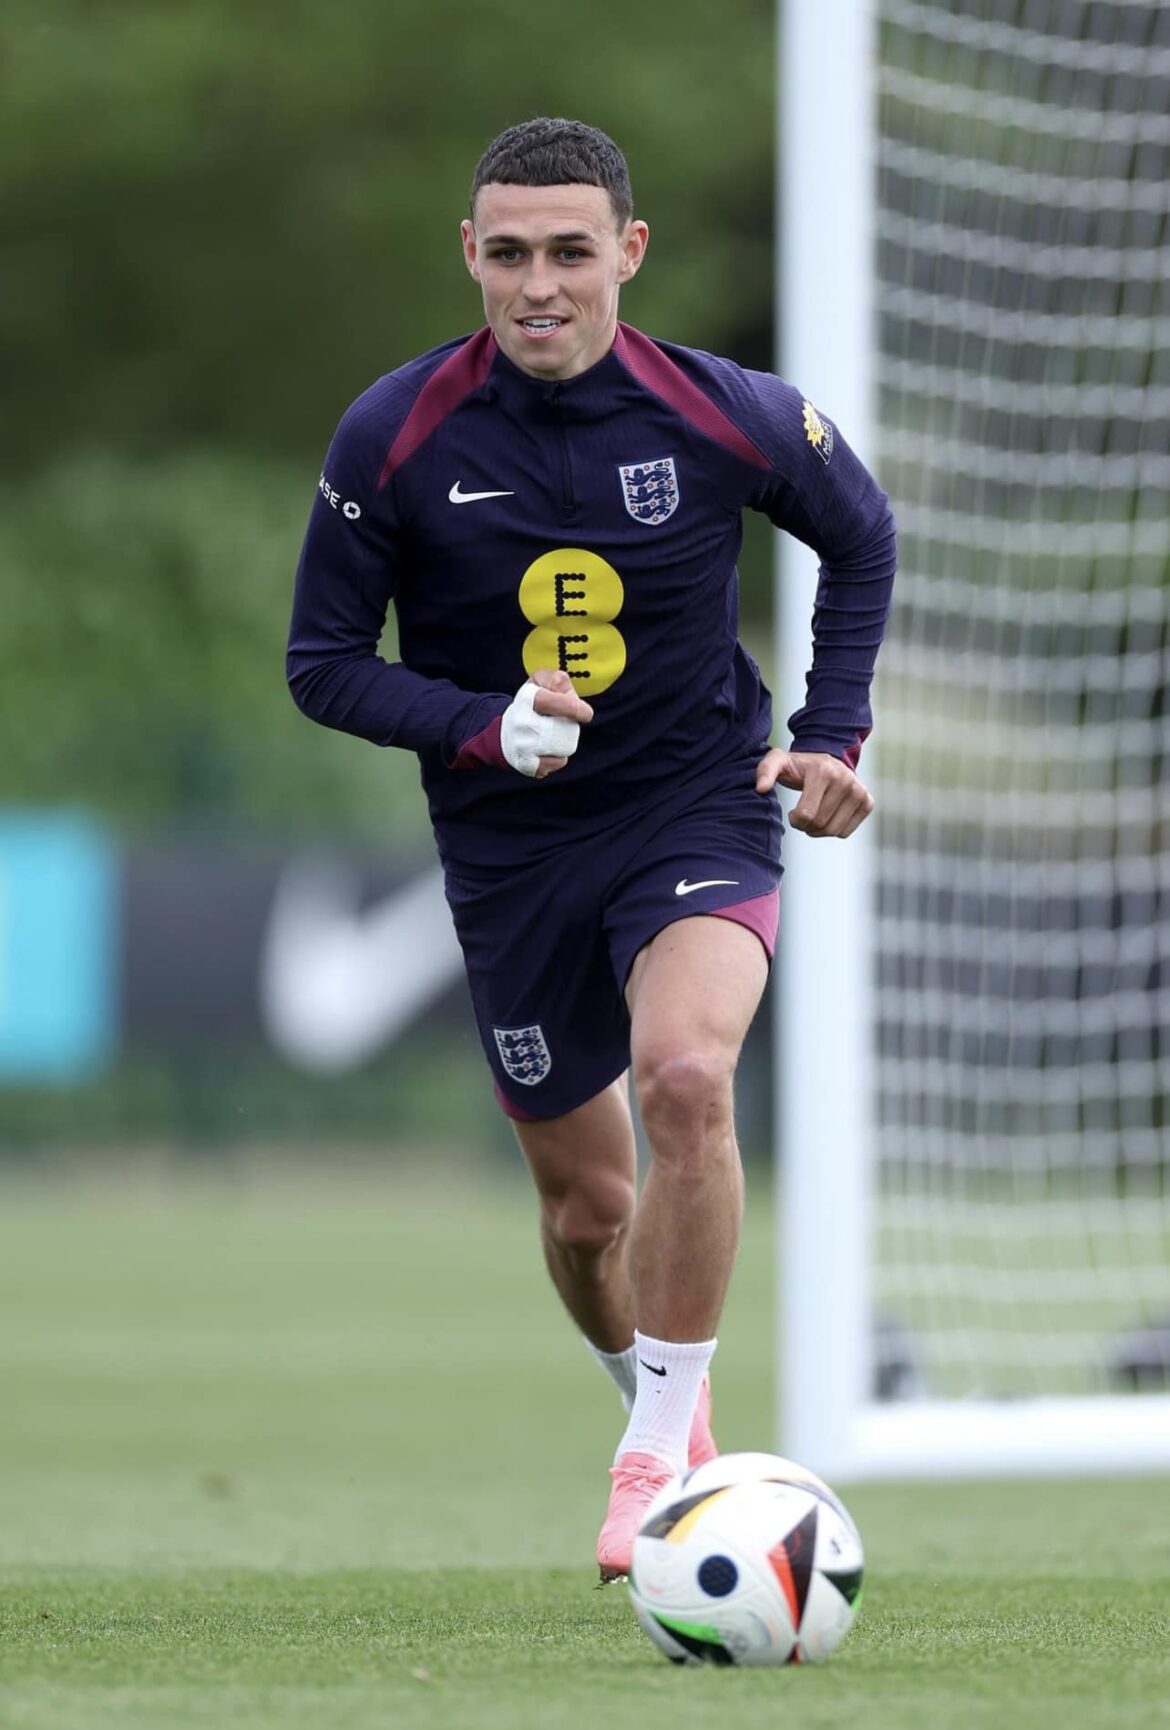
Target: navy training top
[591,523]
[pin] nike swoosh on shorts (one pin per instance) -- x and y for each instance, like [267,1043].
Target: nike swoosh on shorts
[682,887]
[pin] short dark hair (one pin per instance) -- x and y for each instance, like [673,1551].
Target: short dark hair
[556,153]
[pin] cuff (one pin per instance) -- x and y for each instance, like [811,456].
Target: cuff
[849,753]
[484,750]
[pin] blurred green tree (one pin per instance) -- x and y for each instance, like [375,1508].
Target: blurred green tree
[224,221]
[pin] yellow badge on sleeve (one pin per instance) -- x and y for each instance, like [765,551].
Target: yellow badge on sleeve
[818,432]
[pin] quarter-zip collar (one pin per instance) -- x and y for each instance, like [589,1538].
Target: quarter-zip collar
[589,395]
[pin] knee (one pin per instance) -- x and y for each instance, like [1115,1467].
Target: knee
[590,1219]
[684,1092]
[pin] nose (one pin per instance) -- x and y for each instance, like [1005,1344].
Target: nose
[540,285]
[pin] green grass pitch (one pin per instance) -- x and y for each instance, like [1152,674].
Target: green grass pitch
[333,1458]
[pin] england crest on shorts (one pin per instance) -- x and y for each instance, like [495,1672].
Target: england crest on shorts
[523,1053]
[650,490]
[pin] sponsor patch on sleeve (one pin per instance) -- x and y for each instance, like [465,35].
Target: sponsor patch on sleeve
[349,509]
[818,431]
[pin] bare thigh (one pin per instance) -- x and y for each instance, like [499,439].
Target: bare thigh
[692,993]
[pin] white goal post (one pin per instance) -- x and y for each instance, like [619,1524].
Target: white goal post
[973,1041]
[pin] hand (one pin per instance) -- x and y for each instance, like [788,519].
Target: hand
[832,800]
[543,723]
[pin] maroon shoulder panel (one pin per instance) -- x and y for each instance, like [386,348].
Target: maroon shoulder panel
[646,361]
[460,374]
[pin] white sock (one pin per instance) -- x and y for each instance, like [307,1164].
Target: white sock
[669,1378]
[622,1368]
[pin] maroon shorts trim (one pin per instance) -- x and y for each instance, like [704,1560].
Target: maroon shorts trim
[761,914]
[516,1112]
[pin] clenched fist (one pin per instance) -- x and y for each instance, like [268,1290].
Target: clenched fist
[832,799]
[542,724]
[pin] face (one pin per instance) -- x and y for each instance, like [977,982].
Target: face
[550,261]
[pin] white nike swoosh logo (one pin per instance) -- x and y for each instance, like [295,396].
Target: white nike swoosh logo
[337,985]
[682,887]
[459,498]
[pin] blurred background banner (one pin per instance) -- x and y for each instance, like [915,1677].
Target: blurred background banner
[323,959]
[188,948]
[58,948]
[153,986]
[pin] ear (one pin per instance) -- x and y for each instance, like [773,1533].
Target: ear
[633,243]
[470,247]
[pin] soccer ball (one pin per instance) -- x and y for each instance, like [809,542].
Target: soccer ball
[748,1559]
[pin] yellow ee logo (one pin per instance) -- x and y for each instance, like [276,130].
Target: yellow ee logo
[569,596]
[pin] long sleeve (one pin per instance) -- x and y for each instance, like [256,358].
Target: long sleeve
[346,579]
[820,492]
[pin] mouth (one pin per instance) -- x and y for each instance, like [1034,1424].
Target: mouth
[540,329]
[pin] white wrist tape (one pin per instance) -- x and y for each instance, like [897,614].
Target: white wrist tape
[526,737]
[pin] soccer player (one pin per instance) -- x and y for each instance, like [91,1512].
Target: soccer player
[553,505]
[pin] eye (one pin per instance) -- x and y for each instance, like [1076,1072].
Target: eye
[506,254]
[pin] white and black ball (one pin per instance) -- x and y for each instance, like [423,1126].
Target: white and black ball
[749,1559]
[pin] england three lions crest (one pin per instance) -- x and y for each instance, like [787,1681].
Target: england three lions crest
[523,1053]
[650,490]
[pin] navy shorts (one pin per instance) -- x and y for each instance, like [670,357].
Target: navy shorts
[549,946]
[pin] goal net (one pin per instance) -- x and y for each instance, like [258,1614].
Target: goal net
[1018,1220]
